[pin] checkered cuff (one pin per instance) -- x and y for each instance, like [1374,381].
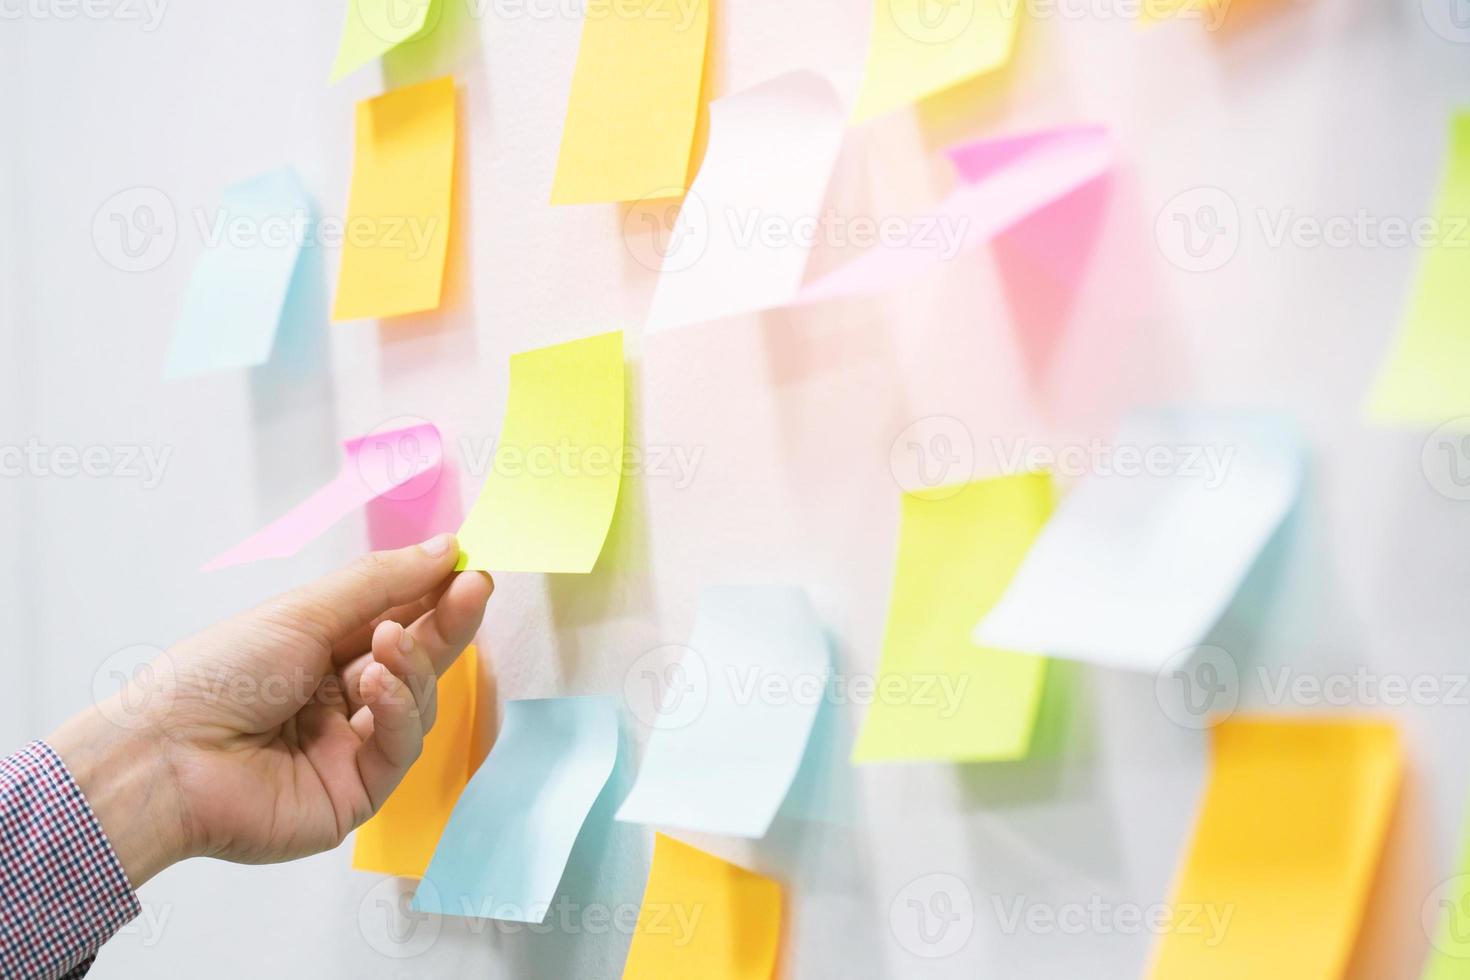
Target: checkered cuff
[63,892]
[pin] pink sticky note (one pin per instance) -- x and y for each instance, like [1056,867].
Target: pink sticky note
[377,465]
[978,159]
[427,505]
[1002,182]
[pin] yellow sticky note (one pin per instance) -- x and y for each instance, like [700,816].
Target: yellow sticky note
[919,47]
[375,27]
[634,102]
[704,918]
[400,838]
[549,498]
[1427,378]
[958,547]
[1284,851]
[397,230]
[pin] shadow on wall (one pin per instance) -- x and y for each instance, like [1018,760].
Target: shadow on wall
[621,584]
[816,849]
[293,399]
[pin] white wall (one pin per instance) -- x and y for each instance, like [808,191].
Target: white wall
[1324,108]
[16,723]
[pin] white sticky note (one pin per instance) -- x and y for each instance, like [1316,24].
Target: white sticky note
[1143,556]
[771,152]
[743,236]
[737,710]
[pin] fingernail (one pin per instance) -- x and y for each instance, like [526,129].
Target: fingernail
[436,546]
[405,642]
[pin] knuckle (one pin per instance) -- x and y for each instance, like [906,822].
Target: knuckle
[370,567]
[368,577]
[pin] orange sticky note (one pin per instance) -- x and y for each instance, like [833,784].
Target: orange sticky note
[396,235]
[1284,850]
[400,838]
[704,918]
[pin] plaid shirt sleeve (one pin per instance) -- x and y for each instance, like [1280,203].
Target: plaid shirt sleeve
[63,892]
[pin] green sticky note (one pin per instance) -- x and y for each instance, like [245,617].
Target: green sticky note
[1427,378]
[375,27]
[549,498]
[939,697]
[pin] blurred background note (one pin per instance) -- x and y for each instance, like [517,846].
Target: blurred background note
[1144,555]
[724,749]
[1001,182]
[375,27]
[1446,921]
[919,47]
[1426,380]
[771,152]
[1288,838]
[958,547]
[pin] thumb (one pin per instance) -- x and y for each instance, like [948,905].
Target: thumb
[352,597]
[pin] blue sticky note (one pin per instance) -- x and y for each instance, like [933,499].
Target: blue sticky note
[236,296]
[510,835]
[1142,558]
[732,726]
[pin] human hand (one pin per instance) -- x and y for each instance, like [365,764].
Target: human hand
[273,734]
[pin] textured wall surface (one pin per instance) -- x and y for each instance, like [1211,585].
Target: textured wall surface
[1319,109]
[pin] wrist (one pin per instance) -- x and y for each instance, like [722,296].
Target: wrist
[127,779]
